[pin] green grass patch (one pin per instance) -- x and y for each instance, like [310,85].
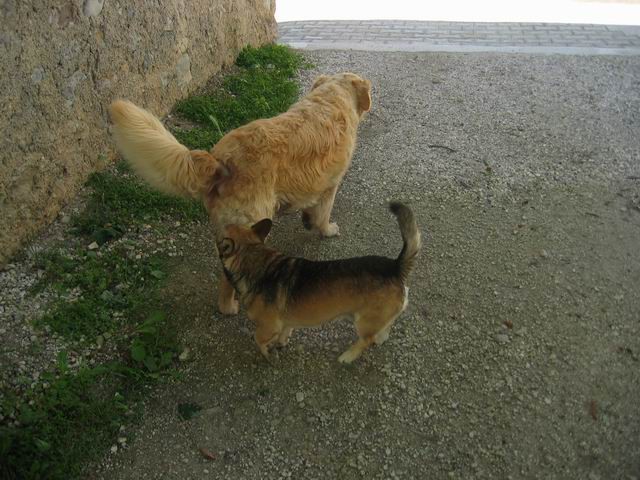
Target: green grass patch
[278,57]
[263,87]
[186,411]
[70,422]
[112,286]
[79,415]
[155,346]
[118,200]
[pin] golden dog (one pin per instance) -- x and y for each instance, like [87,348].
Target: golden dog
[281,293]
[296,159]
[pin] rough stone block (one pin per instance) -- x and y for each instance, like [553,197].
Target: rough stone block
[64,62]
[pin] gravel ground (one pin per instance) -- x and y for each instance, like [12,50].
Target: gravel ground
[26,352]
[518,356]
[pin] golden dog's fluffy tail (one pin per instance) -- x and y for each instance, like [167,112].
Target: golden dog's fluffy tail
[158,157]
[410,237]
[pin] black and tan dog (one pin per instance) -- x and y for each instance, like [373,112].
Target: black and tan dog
[281,293]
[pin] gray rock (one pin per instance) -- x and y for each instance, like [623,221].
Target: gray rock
[92,8]
[165,79]
[502,338]
[37,75]
[183,70]
[69,90]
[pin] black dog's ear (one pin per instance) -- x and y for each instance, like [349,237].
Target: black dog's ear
[262,228]
[226,247]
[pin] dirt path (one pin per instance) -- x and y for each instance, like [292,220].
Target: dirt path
[519,353]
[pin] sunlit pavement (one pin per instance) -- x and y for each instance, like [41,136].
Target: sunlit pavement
[427,36]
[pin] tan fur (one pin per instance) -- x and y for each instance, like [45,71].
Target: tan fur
[157,156]
[371,290]
[295,159]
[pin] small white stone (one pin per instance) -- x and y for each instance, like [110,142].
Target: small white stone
[92,8]
[37,75]
[299,396]
[502,338]
[114,448]
[93,246]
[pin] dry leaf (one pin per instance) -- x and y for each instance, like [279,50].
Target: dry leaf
[508,324]
[207,453]
[593,409]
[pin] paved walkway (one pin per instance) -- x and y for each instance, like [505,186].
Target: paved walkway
[415,36]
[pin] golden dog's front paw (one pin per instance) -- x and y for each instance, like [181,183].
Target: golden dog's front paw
[271,357]
[229,308]
[331,230]
[348,356]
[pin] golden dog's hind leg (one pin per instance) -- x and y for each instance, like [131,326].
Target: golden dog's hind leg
[227,302]
[318,216]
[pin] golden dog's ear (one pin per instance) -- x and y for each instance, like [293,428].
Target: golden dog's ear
[262,228]
[363,94]
[319,81]
[226,247]
[221,175]
[209,171]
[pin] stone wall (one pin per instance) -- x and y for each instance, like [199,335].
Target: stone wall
[63,61]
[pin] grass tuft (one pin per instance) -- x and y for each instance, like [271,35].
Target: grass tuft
[263,87]
[109,286]
[120,200]
[70,423]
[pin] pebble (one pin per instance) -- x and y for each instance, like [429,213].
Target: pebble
[300,396]
[184,356]
[502,338]
[93,246]
[92,8]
